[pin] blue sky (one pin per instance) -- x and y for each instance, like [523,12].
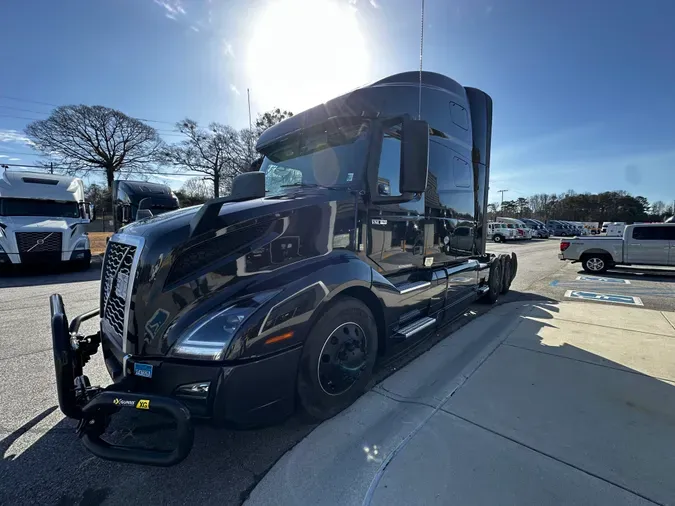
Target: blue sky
[583,91]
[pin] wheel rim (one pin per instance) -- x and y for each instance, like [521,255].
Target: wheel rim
[498,239]
[343,359]
[595,264]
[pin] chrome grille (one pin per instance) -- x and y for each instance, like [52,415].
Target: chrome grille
[38,242]
[116,284]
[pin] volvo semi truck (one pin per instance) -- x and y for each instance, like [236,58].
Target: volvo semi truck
[43,220]
[363,231]
[130,197]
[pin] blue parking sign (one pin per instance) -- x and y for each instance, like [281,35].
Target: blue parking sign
[604,297]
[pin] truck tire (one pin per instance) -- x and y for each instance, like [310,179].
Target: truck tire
[595,263]
[514,265]
[498,238]
[494,282]
[506,274]
[337,359]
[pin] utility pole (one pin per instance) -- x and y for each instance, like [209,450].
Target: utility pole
[250,126]
[502,192]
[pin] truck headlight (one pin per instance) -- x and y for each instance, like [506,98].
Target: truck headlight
[81,244]
[209,337]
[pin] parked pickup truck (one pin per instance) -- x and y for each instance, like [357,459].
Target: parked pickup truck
[648,244]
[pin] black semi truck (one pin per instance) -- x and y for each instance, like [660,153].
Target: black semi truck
[363,231]
[130,197]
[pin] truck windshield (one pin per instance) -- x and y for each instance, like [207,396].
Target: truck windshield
[37,207]
[317,157]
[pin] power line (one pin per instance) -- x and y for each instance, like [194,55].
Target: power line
[55,105]
[96,169]
[29,101]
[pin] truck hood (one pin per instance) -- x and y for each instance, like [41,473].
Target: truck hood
[181,278]
[38,223]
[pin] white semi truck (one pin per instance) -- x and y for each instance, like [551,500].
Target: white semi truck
[43,220]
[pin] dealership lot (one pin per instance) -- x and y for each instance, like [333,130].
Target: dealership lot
[43,462]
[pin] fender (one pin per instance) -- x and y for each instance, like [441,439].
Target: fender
[285,320]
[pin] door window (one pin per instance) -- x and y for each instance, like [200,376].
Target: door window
[653,233]
[389,171]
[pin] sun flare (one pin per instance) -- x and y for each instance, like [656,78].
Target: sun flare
[303,52]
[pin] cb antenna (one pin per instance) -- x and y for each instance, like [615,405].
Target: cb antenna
[419,100]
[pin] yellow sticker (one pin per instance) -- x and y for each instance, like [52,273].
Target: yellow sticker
[143,404]
[116,402]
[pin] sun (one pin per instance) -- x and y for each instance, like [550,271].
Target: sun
[304,52]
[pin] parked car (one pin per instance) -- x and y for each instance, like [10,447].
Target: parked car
[649,244]
[499,232]
[538,228]
[522,231]
[558,228]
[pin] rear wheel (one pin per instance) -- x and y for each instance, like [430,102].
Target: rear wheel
[494,282]
[514,265]
[338,359]
[595,264]
[506,274]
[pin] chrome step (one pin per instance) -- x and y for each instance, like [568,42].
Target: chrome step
[483,289]
[411,286]
[414,327]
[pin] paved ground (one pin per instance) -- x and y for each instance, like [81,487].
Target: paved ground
[40,458]
[534,403]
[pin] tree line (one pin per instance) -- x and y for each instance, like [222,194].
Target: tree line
[571,206]
[82,139]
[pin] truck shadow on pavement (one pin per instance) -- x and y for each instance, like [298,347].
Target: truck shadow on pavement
[615,429]
[47,275]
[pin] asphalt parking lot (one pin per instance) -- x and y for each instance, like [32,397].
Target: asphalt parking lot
[41,460]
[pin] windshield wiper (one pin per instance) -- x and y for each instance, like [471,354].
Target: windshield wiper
[301,186]
[307,185]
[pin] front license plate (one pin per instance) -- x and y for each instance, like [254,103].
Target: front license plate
[144,370]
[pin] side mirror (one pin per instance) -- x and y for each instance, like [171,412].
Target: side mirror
[144,209]
[141,214]
[414,156]
[125,213]
[250,185]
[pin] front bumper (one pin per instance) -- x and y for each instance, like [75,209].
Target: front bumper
[254,393]
[250,394]
[46,257]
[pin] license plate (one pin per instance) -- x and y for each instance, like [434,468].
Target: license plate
[144,370]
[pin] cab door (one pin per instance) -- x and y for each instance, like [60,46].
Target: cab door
[648,245]
[397,231]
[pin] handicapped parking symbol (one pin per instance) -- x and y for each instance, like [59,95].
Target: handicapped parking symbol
[604,297]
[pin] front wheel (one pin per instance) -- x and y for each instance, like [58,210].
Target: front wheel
[497,238]
[338,359]
[595,264]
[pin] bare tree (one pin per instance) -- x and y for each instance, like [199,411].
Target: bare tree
[658,207]
[270,118]
[197,187]
[85,138]
[218,152]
